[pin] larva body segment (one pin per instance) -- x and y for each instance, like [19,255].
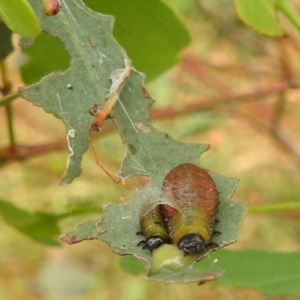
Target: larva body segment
[154,229]
[193,203]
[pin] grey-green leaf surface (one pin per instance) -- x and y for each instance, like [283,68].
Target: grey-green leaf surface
[271,273]
[95,57]
[259,15]
[149,31]
[120,223]
[42,227]
[6,46]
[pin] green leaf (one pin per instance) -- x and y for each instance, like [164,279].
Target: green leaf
[259,15]
[149,31]
[42,227]
[19,17]
[271,273]
[6,46]
[120,223]
[95,56]
[47,54]
[98,65]
[131,265]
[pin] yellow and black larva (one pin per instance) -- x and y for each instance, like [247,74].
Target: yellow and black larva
[191,215]
[154,229]
[188,214]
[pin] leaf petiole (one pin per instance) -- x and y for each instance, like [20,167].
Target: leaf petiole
[285,7]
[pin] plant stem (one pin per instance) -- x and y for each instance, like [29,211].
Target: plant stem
[274,207]
[201,104]
[9,116]
[8,99]
[6,87]
[279,110]
[285,7]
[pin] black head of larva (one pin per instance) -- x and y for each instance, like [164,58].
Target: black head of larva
[191,244]
[152,242]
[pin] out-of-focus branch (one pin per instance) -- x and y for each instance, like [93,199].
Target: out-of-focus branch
[202,104]
[195,68]
[286,74]
[278,111]
[5,90]
[278,136]
[23,152]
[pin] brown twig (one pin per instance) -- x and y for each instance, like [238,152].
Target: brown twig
[23,152]
[202,104]
[196,68]
[278,111]
[286,74]
[285,144]
[277,135]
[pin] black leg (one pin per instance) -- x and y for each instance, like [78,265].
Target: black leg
[216,232]
[142,243]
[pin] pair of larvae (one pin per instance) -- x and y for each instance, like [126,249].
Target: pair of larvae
[188,218]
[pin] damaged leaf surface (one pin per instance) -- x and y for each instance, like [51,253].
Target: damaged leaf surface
[95,56]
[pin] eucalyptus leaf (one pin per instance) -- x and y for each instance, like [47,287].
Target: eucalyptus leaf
[120,223]
[100,72]
[42,227]
[95,55]
[149,31]
[259,15]
[132,265]
[19,17]
[270,273]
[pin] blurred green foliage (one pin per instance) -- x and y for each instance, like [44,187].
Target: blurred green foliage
[19,17]
[265,179]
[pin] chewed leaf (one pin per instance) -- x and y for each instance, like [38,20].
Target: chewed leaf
[94,56]
[149,152]
[100,73]
[120,223]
